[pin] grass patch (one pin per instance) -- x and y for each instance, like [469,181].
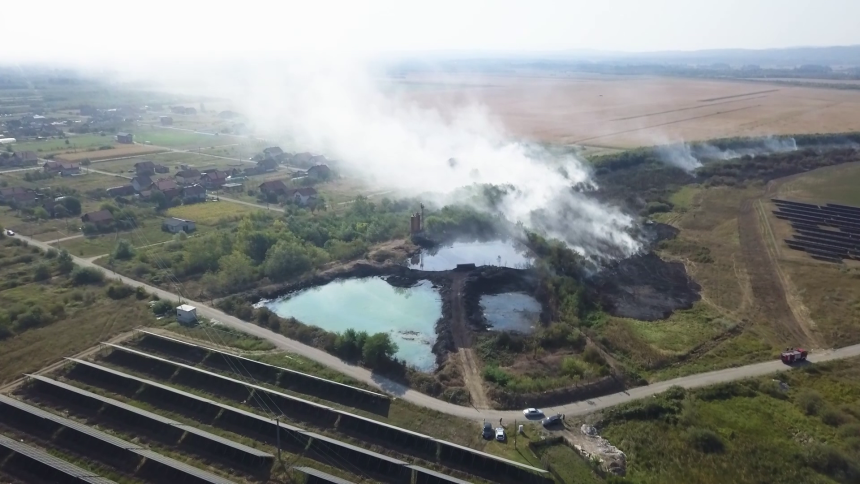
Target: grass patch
[77,142]
[568,464]
[146,235]
[211,213]
[683,330]
[175,138]
[685,198]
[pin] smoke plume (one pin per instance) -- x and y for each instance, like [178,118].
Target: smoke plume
[688,157]
[376,132]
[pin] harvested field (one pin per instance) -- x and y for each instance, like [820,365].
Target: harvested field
[117,152]
[627,111]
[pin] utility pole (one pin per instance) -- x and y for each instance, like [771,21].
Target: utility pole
[278,437]
[516,431]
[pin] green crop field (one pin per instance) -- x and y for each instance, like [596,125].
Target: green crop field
[175,138]
[75,142]
[211,213]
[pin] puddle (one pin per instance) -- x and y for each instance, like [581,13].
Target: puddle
[511,311]
[494,253]
[409,315]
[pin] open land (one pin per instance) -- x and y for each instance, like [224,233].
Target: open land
[629,111]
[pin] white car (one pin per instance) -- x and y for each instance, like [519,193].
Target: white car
[532,412]
[10,233]
[500,434]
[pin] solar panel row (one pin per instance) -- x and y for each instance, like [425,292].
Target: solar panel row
[110,440]
[40,457]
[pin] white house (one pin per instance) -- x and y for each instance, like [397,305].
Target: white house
[186,314]
[175,225]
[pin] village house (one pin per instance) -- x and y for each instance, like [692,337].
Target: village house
[274,186]
[194,193]
[165,120]
[317,160]
[302,196]
[187,176]
[123,191]
[61,168]
[303,159]
[267,165]
[100,217]
[144,168]
[25,199]
[141,183]
[175,225]
[23,158]
[126,138]
[213,179]
[232,187]
[320,172]
[7,194]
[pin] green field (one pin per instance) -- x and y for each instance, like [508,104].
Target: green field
[752,431]
[44,318]
[835,185]
[175,138]
[211,213]
[148,234]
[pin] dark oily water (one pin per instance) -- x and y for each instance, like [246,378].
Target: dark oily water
[511,311]
[409,315]
[494,253]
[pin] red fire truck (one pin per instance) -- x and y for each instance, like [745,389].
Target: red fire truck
[793,355]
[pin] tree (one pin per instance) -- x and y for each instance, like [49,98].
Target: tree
[65,262]
[123,250]
[87,275]
[285,260]
[157,197]
[237,272]
[72,204]
[378,350]
[41,214]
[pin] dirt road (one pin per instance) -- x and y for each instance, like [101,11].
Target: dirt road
[417,398]
[463,342]
[767,286]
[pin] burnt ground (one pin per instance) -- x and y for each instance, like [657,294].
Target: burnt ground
[645,287]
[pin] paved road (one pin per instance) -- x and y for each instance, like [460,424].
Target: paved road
[400,391]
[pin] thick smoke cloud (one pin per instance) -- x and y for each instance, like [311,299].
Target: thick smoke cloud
[374,131]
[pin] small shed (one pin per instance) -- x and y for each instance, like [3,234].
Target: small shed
[126,138]
[186,314]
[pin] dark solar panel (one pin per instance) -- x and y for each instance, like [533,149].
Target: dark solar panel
[47,459]
[437,475]
[185,468]
[310,471]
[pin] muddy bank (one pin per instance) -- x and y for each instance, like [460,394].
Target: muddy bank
[496,280]
[645,287]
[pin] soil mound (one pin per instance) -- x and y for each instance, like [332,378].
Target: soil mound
[645,287]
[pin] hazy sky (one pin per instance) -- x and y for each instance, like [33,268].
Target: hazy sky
[176,28]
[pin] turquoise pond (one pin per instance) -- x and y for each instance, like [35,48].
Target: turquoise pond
[409,315]
[494,253]
[511,311]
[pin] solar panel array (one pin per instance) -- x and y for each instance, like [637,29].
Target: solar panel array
[515,470]
[110,440]
[829,232]
[40,457]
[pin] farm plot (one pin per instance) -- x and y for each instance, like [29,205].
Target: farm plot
[211,213]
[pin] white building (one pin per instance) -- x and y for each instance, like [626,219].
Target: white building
[186,314]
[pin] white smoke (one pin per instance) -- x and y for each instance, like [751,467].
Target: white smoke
[689,157]
[378,133]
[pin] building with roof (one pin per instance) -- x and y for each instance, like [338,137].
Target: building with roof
[320,172]
[125,138]
[61,168]
[123,191]
[213,179]
[193,194]
[141,183]
[187,176]
[186,314]
[303,196]
[175,225]
[99,217]
[277,187]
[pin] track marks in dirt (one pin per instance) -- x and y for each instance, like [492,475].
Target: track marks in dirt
[767,284]
[463,341]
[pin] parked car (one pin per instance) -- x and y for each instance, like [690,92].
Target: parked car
[10,233]
[500,434]
[551,420]
[488,431]
[532,412]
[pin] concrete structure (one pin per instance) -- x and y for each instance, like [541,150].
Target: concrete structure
[186,314]
[175,225]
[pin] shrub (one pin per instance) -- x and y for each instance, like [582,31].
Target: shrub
[809,401]
[162,307]
[496,375]
[704,440]
[832,462]
[87,275]
[140,293]
[119,291]
[65,263]
[42,272]
[592,355]
[832,416]
[123,250]
[51,254]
